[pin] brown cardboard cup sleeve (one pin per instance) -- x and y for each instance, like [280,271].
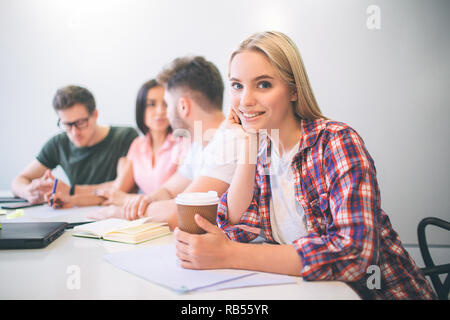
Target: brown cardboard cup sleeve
[189,204]
[186,215]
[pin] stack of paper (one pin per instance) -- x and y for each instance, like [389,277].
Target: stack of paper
[160,265]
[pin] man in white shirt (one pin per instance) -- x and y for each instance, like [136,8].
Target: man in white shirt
[194,97]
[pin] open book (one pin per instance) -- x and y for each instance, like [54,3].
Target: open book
[121,230]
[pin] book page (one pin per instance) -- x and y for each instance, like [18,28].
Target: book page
[138,222]
[100,228]
[138,237]
[141,228]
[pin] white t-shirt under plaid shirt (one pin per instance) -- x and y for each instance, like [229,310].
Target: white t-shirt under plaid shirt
[287,216]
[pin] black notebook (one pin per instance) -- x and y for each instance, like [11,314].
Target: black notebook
[29,235]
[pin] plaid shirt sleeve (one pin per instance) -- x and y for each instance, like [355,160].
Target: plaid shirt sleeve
[348,240]
[249,226]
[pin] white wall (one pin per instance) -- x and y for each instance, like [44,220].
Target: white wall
[390,84]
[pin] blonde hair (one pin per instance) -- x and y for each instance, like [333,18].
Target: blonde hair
[285,57]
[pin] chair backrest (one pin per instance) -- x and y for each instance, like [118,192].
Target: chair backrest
[431,270]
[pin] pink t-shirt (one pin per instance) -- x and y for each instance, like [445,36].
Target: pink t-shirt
[149,177]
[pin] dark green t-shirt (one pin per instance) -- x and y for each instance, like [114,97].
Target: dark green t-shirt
[88,165]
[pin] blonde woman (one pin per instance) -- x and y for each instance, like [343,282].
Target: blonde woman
[312,193]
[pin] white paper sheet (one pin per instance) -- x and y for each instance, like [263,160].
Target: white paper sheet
[254,280]
[45,213]
[6,193]
[160,265]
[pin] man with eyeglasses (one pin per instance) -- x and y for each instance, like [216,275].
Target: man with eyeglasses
[87,152]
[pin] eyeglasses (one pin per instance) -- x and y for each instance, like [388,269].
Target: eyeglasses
[79,124]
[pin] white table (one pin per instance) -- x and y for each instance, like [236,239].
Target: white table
[48,274]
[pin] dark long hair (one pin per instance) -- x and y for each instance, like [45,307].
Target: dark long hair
[141,105]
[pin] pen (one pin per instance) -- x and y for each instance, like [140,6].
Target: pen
[55,183]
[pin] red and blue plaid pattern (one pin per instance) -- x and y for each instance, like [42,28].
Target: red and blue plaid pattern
[335,182]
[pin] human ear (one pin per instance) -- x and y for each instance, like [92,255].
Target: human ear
[184,106]
[95,114]
[294,96]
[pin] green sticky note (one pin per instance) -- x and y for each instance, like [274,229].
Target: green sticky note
[16,214]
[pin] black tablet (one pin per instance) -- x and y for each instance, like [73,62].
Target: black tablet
[29,235]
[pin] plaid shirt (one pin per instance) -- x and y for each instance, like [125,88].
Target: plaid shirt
[335,182]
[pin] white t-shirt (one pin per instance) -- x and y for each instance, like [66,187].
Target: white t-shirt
[217,159]
[287,217]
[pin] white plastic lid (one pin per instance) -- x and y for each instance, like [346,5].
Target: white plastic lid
[197,198]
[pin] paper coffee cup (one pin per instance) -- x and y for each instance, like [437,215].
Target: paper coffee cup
[191,203]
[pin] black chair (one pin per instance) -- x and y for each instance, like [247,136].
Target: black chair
[431,270]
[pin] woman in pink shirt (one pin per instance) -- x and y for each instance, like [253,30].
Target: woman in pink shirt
[152,157]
